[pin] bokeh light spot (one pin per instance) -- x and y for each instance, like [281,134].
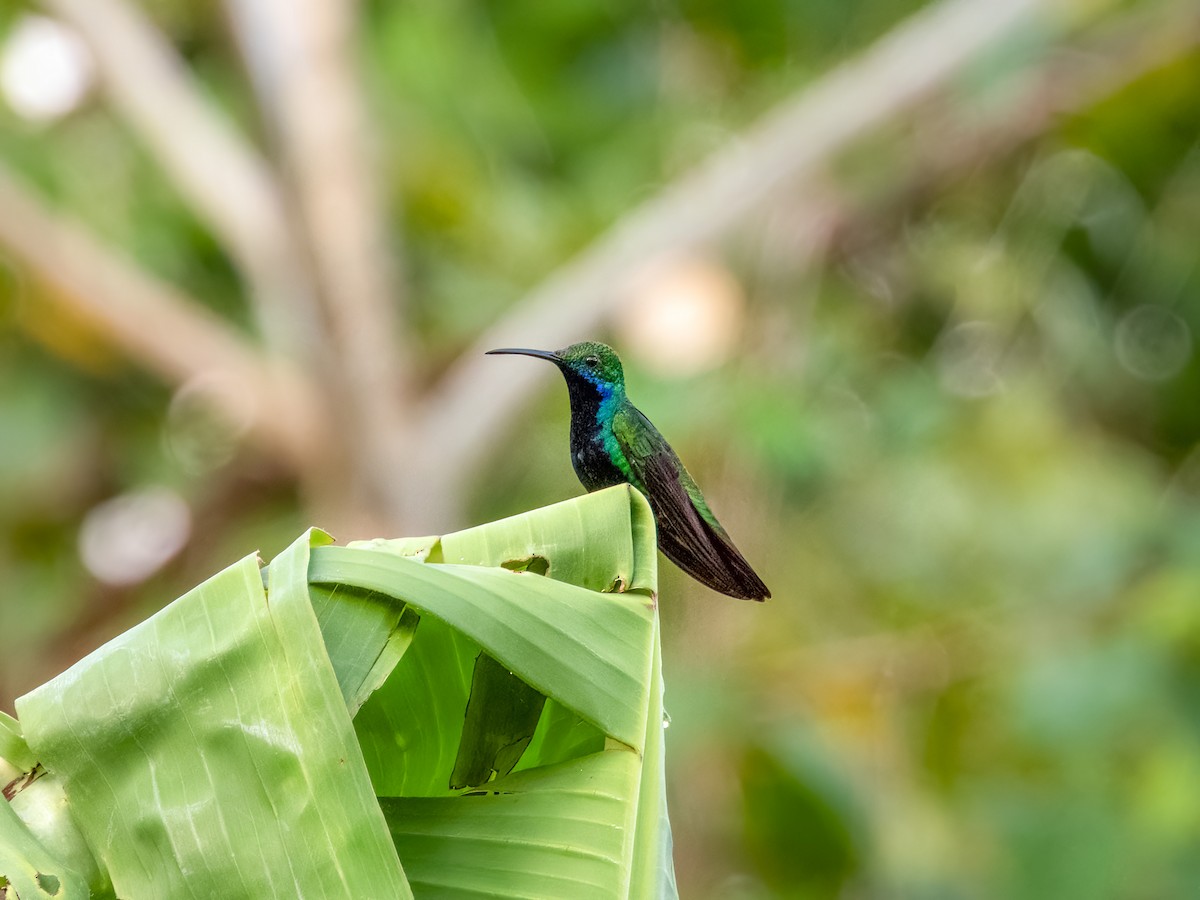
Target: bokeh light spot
[682,317]
[206,421]
[45,69]
[1152,343]
[127,539]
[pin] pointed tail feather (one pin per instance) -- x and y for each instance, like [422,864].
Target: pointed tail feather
[711,559]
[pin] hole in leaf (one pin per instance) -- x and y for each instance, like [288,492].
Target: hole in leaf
[49,883]
[537,565]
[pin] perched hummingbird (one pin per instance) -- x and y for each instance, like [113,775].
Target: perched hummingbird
[613,443]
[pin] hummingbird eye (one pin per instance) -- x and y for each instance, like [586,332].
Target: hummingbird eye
[592,361]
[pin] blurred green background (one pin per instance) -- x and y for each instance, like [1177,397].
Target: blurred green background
[936,373]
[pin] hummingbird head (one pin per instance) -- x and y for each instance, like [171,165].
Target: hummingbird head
[587,363]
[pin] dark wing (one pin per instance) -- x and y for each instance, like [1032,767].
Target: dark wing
[688,533]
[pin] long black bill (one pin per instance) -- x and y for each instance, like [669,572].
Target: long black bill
[513,351]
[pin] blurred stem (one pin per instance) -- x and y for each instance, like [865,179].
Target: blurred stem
[226,182]
[300,54]
[155,324]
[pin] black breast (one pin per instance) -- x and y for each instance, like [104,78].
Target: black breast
[588,456]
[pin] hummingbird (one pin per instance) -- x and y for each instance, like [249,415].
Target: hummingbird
[612,442]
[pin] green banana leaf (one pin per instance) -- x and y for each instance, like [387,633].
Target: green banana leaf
[302,739]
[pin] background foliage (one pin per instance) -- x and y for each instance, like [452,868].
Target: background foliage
[948,412]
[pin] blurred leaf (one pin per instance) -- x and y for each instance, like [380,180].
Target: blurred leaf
[803,825]
[1072,699]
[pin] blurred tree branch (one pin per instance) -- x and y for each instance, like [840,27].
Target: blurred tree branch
[155,324]
[322,284]
[226,182]
[300,54]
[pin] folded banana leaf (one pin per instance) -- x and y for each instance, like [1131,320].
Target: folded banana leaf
[301,739]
